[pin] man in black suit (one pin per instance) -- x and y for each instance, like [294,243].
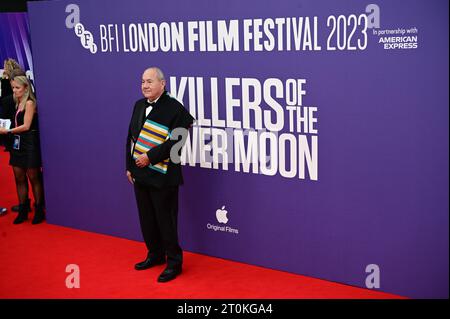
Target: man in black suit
[155,172]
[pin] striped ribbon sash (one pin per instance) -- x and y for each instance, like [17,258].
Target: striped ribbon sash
[151,135]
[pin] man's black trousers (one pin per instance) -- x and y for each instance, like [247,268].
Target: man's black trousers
[158,212]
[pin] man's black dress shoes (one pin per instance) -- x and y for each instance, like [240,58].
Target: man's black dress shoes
[169,274]
[148,263]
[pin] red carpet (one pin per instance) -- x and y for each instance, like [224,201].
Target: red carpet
[33,260]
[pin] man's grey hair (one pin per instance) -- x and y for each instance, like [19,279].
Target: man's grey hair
[159,73]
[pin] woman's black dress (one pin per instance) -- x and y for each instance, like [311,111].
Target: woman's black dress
[29,153]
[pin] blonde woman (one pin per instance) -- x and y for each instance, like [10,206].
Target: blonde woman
[8,108]
[25,154]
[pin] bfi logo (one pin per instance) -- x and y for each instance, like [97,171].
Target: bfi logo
[86,38]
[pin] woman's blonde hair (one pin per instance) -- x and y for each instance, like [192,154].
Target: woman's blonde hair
[9,66]
[27,95]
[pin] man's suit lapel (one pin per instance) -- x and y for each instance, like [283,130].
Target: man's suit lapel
[140,118]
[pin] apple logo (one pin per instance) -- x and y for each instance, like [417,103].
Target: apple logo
[221,215]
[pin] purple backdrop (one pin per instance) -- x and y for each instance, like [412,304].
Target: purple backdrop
[15,41]
[382,191]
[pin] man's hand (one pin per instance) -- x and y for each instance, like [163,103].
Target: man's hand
[130,178]
[142,161]
[3,130]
